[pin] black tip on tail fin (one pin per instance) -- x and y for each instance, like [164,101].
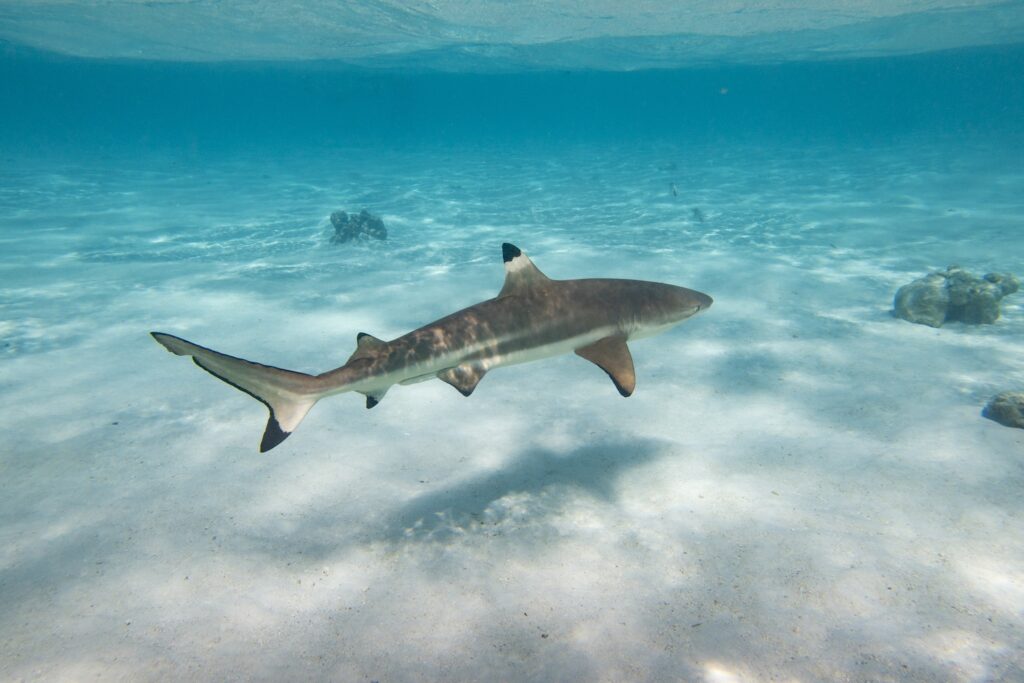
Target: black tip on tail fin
[288,395]
[273,434]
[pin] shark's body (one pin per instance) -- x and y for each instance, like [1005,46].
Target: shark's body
[533,317]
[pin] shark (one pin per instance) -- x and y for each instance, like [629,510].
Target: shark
[533,317]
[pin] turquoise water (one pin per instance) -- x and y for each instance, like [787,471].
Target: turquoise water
[61,105]
[801,488]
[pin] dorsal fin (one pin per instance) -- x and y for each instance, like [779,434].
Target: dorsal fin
[367,346]
[520,273]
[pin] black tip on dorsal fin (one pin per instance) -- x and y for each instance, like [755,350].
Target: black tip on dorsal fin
[520,272]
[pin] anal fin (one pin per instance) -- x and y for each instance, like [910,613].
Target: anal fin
[463,377]
[612,355]
[372,399]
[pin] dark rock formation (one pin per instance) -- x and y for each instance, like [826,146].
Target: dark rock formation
[953,295]
[365,226]
[1007,409]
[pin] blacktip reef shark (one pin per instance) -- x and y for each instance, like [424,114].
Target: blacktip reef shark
[533,317]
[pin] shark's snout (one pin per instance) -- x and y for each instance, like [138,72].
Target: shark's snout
[703,301]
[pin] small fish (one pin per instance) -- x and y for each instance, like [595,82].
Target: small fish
[697,215]
[533,317]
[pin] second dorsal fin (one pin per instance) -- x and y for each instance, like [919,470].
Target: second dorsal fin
[367,346]
[520,273]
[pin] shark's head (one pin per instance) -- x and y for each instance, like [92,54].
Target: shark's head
[682,303]
[659,306]
[703,300]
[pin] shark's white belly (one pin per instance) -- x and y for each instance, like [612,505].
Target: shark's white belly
[558,348]
[483,356]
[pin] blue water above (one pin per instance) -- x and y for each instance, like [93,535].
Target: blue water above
[53,104]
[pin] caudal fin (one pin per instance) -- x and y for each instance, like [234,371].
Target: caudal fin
[288,395]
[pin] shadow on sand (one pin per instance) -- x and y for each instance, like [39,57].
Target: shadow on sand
[538,475]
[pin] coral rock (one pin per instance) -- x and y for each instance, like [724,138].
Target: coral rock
[365,225]
[953,295]
[1007,409]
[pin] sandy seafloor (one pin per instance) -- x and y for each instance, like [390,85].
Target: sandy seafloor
[801,489]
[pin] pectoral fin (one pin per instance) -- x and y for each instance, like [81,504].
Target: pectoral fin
[463,377]
[612,355]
